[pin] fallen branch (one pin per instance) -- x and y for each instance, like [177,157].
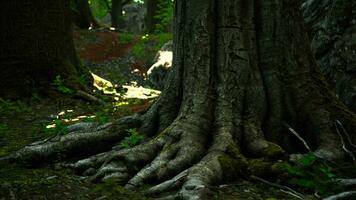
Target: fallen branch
[298,136]
[346,133]
[344,145]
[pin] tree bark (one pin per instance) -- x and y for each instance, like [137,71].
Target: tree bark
[36,46]
[84,17]
[151,6]
[242,72]
[116,14]
[332,27]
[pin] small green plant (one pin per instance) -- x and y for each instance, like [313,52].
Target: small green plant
[3,129]
[83,80]
[133,138]
[7,106]
[35,98]
[146,48]
[126,38]
[56,127]
[101,117]
[314,174]
[59,85]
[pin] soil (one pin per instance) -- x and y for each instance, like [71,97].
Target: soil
[24,122]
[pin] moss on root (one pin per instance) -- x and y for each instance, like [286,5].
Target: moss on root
[273,151]
[233,164]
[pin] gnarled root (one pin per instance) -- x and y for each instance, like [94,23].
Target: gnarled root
[84,139]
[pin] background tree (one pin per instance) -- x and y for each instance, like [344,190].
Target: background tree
[243,72]
[83,15]
[116,13]
[151,6]
[36,46]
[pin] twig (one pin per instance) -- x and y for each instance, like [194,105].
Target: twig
[347,135]
[342,195]
[290,193]
[282,187]
[344,145]
[298,136]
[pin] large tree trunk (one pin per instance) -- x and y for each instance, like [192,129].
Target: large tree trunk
[83,15]
[36,46]
[116,14]
[243,71]
[151,6]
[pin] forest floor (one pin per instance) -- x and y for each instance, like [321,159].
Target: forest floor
[23,122]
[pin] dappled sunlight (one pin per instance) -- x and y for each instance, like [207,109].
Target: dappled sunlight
[132,91]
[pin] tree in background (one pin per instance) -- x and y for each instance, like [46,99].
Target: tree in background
[243,73]
[159,15]
[151,6]
[116,13]
[83,16]
[36,47]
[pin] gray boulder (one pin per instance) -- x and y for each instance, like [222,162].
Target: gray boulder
[134,18]
[158,72]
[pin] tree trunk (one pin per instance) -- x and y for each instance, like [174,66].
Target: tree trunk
[84,17]
[332,29]
[36,46]
[242,73]
[116,14]
[151,6]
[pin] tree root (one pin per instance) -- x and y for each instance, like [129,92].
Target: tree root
[83,140]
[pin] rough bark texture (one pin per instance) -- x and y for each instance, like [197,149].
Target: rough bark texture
[332,28]
[36,46]
[242,69]
[151,6]
[116,14]
[83,15]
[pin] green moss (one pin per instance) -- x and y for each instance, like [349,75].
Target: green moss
[259,167]
[273,151]
[233,164]
[112,190]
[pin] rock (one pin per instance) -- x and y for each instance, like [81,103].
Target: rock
[134,18]
[157,74]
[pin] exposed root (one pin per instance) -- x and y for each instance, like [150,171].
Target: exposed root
[343,195]
[85,139]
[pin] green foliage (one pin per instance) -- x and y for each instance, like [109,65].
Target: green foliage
[56,127]
[8,106]
[59,85]
[3,129]
[100,8]
[126,38]
[102,117]
[132,139]
[164,16]
[313,174]
[148,45]
[83,80]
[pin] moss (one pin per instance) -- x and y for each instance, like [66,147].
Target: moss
[274,151]
[233,164]
[259,167]
[112,190]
